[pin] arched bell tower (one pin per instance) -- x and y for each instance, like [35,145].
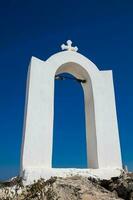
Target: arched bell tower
[102,135]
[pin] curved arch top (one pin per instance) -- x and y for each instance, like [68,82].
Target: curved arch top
[70,56]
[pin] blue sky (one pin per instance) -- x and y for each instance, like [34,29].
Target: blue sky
[103,31]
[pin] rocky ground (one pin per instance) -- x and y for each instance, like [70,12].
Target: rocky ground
[70,188]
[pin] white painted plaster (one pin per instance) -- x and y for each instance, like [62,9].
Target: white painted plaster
[103,147]
[32,174]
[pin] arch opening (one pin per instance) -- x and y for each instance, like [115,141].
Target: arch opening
[69,132]
[78,72]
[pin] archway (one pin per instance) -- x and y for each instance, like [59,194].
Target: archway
[100,114]
[69,133]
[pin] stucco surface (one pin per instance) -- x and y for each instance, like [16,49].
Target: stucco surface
[102,135]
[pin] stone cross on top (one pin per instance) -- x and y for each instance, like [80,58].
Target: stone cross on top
[69,47]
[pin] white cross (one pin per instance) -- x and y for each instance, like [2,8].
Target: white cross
[69,47]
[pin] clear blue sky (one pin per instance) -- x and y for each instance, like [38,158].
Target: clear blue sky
[103,31]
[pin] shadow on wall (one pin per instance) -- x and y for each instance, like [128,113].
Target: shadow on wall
[69,134]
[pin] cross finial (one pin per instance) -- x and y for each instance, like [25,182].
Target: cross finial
[69,47]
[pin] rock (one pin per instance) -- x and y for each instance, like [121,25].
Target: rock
[123,185]
[70,188]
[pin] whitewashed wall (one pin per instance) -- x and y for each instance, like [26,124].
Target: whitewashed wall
[103,145]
